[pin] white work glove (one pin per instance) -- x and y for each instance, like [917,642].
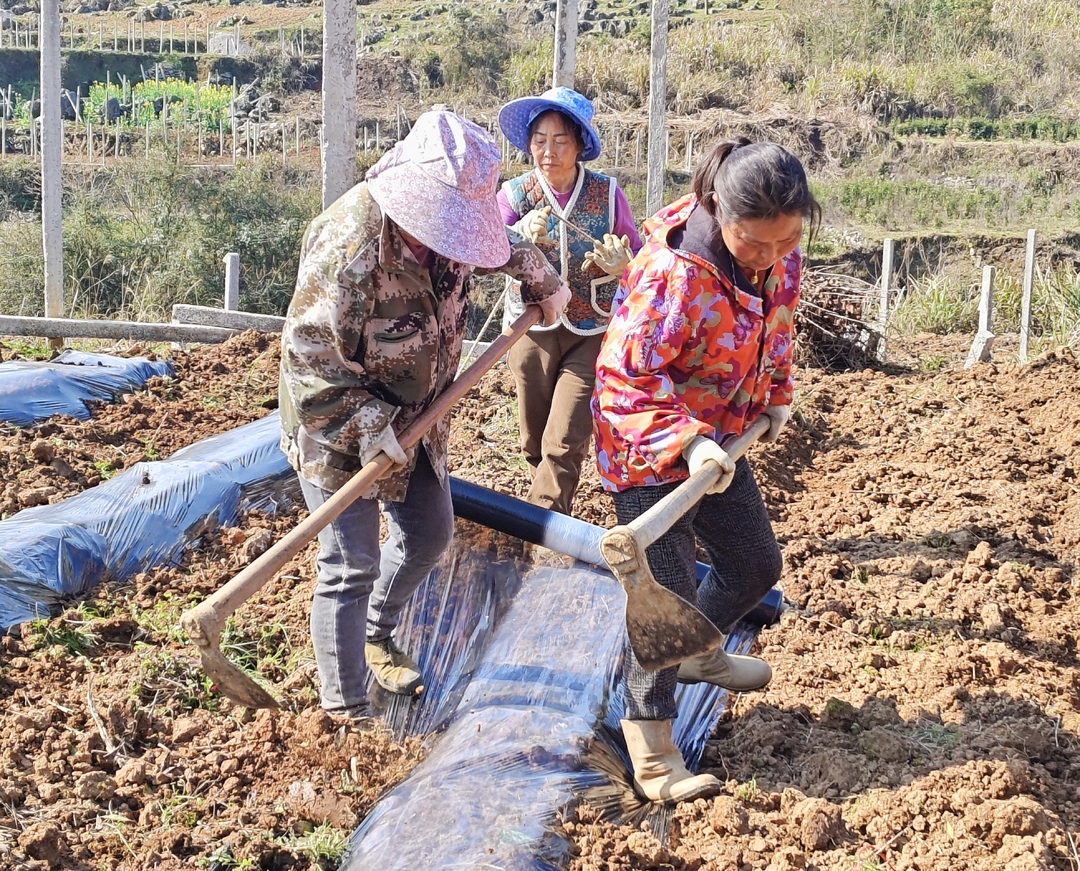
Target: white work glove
[702,449]
[778,415]
[611,255]
[554,305]
[387,443]
[534,227]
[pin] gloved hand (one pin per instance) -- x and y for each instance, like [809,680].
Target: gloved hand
[702,449]
[534,227]
[778,415]
[610,255]
[554,305]
[387,443]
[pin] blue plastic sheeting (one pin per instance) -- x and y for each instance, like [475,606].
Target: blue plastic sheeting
[510,757]
[30,391]
[141,518]
[534,730]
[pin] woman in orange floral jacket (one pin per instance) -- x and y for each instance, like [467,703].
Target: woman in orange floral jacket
[700,346]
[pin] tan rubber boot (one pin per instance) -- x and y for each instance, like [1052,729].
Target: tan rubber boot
[394,669]
[738,674]
[660,773]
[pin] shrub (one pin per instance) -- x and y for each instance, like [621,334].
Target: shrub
[478,50]
[937,305]
[142,236]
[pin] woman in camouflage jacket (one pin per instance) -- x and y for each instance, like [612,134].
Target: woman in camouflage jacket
[372,336]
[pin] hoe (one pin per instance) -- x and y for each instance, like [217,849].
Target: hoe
[662,627]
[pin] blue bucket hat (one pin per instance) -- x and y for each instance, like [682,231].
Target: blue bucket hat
[516,116]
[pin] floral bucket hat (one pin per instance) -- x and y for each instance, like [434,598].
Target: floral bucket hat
[439,183]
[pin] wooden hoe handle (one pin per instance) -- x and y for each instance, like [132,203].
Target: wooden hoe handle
[650,525]
[204,622]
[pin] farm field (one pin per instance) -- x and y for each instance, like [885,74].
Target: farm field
[923,715]
[925,710]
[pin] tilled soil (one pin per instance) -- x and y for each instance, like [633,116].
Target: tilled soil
[923,715]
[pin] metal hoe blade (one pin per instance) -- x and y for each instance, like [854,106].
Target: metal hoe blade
[662,627]
[232,682]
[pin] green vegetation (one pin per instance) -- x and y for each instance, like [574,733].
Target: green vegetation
[323,845]
[263,652]
[207,105]
[71,635]
[1044,127]
[931,735]
[180,680]
[941,304]
[954,116]
[141,236]
[749,791]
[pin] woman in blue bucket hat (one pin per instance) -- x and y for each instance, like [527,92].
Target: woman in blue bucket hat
[581,220]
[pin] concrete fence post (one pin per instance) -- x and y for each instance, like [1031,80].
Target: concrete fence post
[984,339]
[1025,300]
[566,29]
[657,148]
[232,282]
[887,253]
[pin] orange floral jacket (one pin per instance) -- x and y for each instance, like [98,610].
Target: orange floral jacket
[688,352]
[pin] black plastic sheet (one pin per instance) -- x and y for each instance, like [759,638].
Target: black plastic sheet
[34,391]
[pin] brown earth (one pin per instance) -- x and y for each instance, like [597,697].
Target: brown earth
[924,713]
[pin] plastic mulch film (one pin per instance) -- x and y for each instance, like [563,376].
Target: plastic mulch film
[141,518]
[446,627]
[33,391]
[512,755]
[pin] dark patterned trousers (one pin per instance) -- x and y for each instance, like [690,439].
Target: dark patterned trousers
[734,530]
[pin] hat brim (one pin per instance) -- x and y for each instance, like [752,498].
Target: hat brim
[469,231]
[515,117]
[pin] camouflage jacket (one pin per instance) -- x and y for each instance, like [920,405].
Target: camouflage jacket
[370,340]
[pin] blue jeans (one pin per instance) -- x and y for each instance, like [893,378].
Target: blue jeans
[360,589]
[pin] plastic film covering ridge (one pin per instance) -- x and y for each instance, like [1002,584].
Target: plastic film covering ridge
[33,391]
[143,517]
[513,753]
[446,627]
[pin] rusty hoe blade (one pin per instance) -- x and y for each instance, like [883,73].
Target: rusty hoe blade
[233,683]
[662,627]
[203,625]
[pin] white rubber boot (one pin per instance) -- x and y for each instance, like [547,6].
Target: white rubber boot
[738,674]
[660,773]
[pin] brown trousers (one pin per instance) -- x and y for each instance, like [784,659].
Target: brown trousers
[554,370]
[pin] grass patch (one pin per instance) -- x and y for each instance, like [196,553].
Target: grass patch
[266,654]
[168,680]
[941,304]
[162,621]
[934,736]
[72,637]
[937,304]
[141,236]
[749,791]
[323,845]
[936,540]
